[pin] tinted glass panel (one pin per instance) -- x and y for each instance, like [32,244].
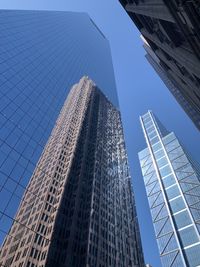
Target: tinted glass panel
[165,171]
[169,180]
[193,255]
[157,146]
[177,204]
[172,192]
[169,138]
[182,219]
[162,162]
[188,236]
[152,134]
[154,140]
[148,124]
[150,129]
[142,154]
[159,154]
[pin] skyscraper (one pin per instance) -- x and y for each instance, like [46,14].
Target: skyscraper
[172,182]
[172,85]
[171,29]
[42,54]
[78,208]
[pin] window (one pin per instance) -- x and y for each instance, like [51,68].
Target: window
[148,124]
[173,191]
[177,204]
[188,236]
[182,219]
[147,119]
[142,154]
[157,146]
[159,154]
[169,180]
[165,171]
[162,162]
[152,134]
[170,137]
[150,129]
[172,145]
[193,255]
[155,140]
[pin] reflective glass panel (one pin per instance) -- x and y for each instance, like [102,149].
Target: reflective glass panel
[182,219]
[193,255]
[169,180]
[157,146]
[188,236]
[177,204]
[172,191]
[165,170]
[159,154]
[162,162]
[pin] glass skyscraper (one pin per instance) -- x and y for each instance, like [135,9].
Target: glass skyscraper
[42,54]
[172,182]
[63,219]
[78,208]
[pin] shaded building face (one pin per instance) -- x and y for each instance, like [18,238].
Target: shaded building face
[173,86]
[172,182]
[42,55]
[78,208]
[171,29]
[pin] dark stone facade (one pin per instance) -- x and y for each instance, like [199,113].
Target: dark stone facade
[171,28]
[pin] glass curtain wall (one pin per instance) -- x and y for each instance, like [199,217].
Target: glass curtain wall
[172,185]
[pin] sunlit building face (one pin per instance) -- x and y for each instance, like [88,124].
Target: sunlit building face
[172,182]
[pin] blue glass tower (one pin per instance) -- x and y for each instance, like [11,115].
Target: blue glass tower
[42,54]
[172,182]
[70,213]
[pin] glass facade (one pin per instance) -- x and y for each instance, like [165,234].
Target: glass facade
[42,54]
[78,208]
[172,182]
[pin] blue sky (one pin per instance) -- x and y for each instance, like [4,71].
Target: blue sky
[139,89]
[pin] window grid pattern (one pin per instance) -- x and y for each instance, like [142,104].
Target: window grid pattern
[42,54]
[182,191]
[161,221]
[78,208]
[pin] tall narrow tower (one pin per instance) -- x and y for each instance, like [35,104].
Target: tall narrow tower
[78,208]
[42,54]
[172,181]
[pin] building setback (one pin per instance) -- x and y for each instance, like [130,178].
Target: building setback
[171,28]
[78,208]
[172,182]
